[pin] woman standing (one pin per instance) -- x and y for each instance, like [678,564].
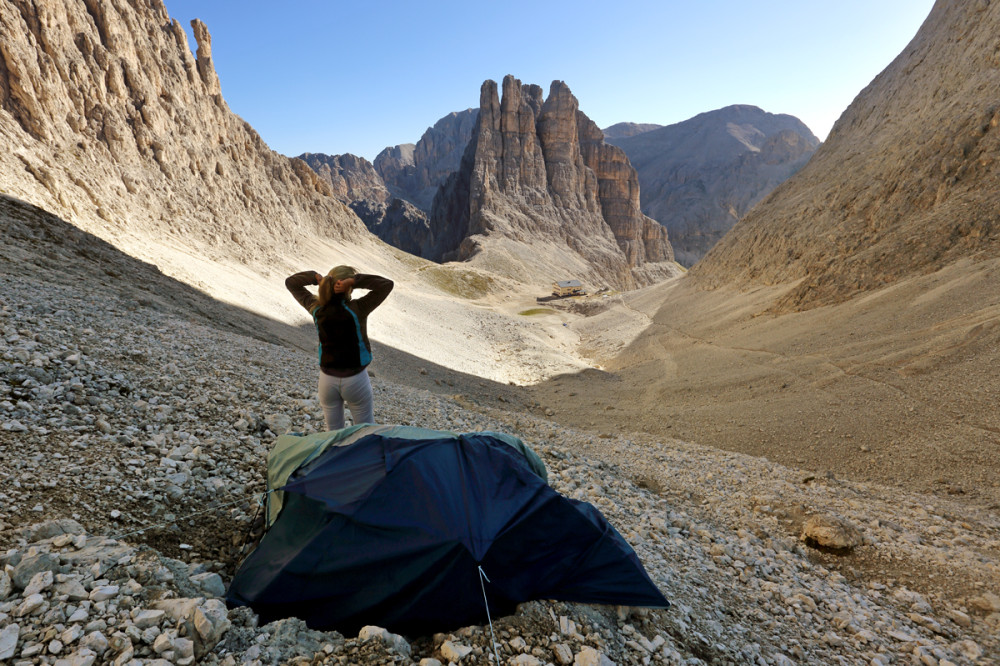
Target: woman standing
[342,326]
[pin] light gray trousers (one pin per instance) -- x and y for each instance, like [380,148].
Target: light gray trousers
[356,391]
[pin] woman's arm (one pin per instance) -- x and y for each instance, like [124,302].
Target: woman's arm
[379,288]
[297,285]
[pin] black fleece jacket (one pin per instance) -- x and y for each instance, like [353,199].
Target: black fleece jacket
[342,324]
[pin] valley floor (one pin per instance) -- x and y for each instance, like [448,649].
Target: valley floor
[124,414]
[897,387]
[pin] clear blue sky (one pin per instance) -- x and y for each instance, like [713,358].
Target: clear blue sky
[335,76]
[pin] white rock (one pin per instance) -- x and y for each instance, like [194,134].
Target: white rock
[95,641]
[564,655]
[148,618]
[82,657]
[831,532]
[79,615]
[988,603]
[525,660]
[104,592]
[969,648]
[5,585]
[73,589]
[8,641]
[63,540]
[184,647]
[455,652]
[30,605]
[588,656]
[958,617]
[163,643]
[32,650]
[391,640]
[210,623]
[71,635]
[39,582]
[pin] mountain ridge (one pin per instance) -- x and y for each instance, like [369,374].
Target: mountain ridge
[538,168]
[115,91]
[701,175]
[918,177]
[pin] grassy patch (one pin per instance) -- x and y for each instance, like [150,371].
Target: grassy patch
[536,311]
[458,282]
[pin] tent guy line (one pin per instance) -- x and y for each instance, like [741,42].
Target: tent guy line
[260,498]
[493,637]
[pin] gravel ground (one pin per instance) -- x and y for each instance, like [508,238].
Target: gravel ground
[133,441]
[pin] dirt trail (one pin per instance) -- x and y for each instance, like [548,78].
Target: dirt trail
[895,387]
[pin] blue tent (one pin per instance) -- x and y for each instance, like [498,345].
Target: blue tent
[391,526]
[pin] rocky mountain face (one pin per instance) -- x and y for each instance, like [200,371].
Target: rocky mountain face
[700,176]
[540,190]
[354,181]
[350,177]
[625,130]
[110,121]
[906,182]
[415,172]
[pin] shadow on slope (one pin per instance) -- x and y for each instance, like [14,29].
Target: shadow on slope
[38,245]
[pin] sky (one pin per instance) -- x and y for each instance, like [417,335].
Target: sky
[356,76]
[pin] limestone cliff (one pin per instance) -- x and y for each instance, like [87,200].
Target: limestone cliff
[109,120]
[539,191]
[350,177]
[354,181]
[700,176]
[415,172]
[906,182]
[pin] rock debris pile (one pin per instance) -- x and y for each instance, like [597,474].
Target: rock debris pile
[132,452]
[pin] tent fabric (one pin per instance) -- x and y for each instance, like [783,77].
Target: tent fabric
[292,451]
[392,528]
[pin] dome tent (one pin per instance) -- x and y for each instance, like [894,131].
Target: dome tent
[393,526]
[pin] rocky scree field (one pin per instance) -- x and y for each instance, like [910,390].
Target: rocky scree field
[133,442]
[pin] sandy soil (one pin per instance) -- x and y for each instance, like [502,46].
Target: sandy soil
[898,387]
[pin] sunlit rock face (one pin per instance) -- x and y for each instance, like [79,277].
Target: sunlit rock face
[700,176]
[108,119]
[905,183]
[539,190]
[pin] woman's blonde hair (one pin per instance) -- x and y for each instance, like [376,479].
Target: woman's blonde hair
[326,284]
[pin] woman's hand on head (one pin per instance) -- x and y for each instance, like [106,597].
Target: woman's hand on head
[319,278]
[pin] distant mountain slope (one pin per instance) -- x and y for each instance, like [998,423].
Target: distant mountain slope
[698,177]
[415,172]
[354,181]
[907,182]
[624,130]
[540,192]
[108,120]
